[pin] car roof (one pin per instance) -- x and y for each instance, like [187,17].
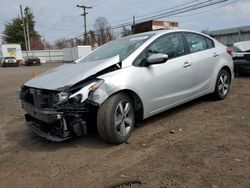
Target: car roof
[165,31]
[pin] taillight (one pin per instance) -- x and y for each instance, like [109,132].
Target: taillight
[229,51]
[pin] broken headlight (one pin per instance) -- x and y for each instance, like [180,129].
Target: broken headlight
[83,93]
[61,98]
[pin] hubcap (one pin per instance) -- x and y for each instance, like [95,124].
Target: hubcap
[223,85]
[123,118]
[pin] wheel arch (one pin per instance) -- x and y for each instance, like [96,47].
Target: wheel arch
[137,102]
[228,70]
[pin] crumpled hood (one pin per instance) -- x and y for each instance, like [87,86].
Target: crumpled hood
[67,75]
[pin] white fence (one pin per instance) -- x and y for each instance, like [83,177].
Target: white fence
[45,55]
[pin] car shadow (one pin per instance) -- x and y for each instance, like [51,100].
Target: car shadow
[32,142]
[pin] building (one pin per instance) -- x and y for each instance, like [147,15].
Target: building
[232,35]
[153,25]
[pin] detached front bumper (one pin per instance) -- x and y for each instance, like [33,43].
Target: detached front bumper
[53,125]
[37,129]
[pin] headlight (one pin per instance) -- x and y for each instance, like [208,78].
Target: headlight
[96,85]
[61,98]
[83,94]
[76,99]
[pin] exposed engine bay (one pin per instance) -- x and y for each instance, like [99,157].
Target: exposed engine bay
[61,114]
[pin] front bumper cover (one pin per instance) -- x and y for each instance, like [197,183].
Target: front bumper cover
[45,115]
[35,128]
[53,125]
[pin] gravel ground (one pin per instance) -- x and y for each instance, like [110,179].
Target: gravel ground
[204,143]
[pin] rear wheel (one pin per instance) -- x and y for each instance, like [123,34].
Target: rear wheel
[222,85]
[116,119]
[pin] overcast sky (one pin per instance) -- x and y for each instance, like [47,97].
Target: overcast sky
[61,18]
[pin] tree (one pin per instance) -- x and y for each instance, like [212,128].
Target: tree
[206,31]
[36,43]
[125,32]
[61,43]
[102,32]
[13,32]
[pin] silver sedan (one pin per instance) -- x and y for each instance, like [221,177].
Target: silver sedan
[124,81]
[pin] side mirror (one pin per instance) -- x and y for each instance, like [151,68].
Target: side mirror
[157,59]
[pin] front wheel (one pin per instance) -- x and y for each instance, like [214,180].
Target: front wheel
[222,85]
[116,119]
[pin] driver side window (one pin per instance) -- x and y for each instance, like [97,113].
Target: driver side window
[170,44]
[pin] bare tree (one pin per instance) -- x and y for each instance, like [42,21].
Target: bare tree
[206,31]
[91,38]
[125,32]
[36,43]
[61,43]
[103,32]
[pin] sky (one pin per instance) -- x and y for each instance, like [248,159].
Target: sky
[56,19]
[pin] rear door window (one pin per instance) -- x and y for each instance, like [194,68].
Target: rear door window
[196,42]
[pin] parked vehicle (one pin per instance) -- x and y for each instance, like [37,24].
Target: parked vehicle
[30,61]
[241,60]
[244,45]
[124,81]
[9,62]
[11,50]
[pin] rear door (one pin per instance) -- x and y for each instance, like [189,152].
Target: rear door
[204,58]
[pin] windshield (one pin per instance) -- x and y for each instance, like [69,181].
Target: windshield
[122,47]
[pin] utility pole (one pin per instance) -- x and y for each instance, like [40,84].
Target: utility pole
[85,20]
[24,29]
[27,26]
[133,30]
[44,42]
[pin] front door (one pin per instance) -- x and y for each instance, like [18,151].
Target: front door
[171,82]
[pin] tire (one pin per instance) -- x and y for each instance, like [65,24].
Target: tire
[222,85]
[116,119]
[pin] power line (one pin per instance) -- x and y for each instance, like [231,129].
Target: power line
[162,10]
[64,18]
[173,12]
[209,10]
[190,8]
[59,29]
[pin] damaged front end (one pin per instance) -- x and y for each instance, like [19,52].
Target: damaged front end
[59,115]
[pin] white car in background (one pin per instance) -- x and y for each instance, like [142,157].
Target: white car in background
[8,62]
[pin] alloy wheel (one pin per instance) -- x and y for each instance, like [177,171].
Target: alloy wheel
[223,85]
[123,118]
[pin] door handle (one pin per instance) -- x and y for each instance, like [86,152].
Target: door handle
[187,64]
[215,54]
